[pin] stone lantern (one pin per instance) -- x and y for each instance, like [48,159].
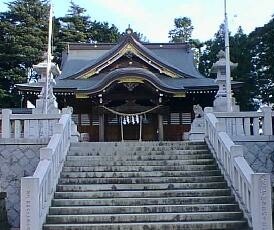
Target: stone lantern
[41,69]
[219,67]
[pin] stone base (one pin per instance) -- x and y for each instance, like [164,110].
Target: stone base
[52,107]
[197,137]
[197,131]
[220,105]
[17,161]
[186,136]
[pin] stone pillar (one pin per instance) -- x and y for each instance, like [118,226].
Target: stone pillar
[6,125]
[197,131]
[160,127]
[29,214]
[261,201]
[101,127]
[267,125]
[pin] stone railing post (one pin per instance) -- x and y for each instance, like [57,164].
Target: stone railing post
[207,110]
[58,128]
[67,110]
[6,125]
[220,126]
[267,125]
[261,201]
[75,135]
[30,216]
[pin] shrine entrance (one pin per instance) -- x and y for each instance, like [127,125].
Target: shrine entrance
[140,126]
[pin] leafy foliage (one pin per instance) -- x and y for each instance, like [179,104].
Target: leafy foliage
[23,34]
[182,31]
[239,53]
[77,26]
[261,48]
[23,40]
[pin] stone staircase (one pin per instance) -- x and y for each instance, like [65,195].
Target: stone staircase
[142,185]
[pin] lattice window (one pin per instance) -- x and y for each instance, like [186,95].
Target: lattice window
[95,120]
[186,118]
[175,118]
[85,119]
[113,119]
[165,119]
[75,118]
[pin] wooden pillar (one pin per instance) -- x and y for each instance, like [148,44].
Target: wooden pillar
[122,128]
[160,127]
[101,127]
[141,126]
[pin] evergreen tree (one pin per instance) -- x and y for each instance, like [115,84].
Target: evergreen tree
[77,26]
[182,31]
[103,32]
[238,54]
[212,48]
[261,48]
[241,55]
[23,35]
[197,46]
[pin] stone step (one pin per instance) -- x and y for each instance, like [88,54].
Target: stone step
[77,151]
[138,168]
[84,210]
[142,185]
[141,158]
[140,174]
[148,186]
[141,180]
[137,143]
[126,201]
[143,217]
[193,225]
[138,163]
[145,194]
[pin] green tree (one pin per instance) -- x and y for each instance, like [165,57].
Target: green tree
[238,54]
[103,32]
[261,48]
[197,46]
[23,35]
[241,55]
[182,31]
[77,26]
[74,25]
[212,48]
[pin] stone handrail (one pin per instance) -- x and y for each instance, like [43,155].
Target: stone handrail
[37,191]
[27,126]
[248,125]
[252,190]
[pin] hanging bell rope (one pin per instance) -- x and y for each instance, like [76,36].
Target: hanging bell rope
[131,114]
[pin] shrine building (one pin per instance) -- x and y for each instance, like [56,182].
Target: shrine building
[130,90]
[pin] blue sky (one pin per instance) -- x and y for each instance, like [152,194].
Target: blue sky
[154,18]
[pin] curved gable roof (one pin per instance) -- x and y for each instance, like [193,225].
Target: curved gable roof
[163,60]
[143,74]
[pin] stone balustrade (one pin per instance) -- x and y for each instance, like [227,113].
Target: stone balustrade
[252,190]
[37,190]
[27,126]
[244,126]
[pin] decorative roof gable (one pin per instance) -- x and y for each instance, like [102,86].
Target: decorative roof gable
[128,46]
